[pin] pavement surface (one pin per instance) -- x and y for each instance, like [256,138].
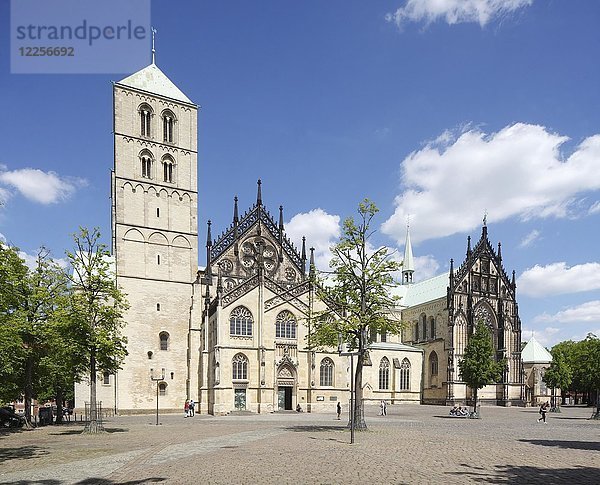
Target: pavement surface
[412,444]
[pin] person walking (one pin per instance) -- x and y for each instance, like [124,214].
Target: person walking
[192,407]
[543,410]
[186,409]
[339,410]
[383,408]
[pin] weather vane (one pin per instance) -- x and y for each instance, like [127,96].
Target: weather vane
[153,49]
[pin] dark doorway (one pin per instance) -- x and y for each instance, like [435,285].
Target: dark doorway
[285,398]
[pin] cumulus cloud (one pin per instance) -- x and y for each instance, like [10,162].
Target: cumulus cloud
[455,11]
[452,181]
[39,186]
[530,238]
[595,208]
[586,312]
[322,230]
[559,279]
[425,267]
[31,260]
[545,336]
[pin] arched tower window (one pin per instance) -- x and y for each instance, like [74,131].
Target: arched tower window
[168,169]
[239,366]
[285,325]
[164,340]
[145,112]
[162,388]
[404,380]
[433,363]
[384,374]
[168,121]
[240,322]
[146,160]
[326,372]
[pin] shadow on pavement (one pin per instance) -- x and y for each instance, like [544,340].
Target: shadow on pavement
[21,453]
[531,474]
[91,481]
[80,431]
[575,445]
[312,428]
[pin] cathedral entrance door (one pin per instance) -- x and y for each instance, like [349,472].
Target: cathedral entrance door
[284,398]
[240,399]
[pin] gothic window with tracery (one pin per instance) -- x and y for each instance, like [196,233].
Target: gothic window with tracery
[240,322]
[433,363]
[384,374]
[326,372]
[145,119]
[285,325]
[240,367]
[404,375]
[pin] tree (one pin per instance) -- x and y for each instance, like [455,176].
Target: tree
[357,294]
[588,357]
[96,308]
[558,375]
[478,368]
[13,273]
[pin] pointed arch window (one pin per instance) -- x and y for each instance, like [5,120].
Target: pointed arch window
[168,169]
[424,326]
[145,112]
[239,367]
[285,325]
[404,376]
[164,340]
[168,121]
[240,322]
[384,374]
[432,327]
[326,372]
[433,363]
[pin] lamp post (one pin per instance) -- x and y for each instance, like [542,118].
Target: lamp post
[157,380]
[343,352]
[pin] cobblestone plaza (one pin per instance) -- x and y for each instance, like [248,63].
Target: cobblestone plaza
[412,444]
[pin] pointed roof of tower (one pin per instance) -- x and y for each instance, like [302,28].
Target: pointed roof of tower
[408,264]
[152,80]
[535,353]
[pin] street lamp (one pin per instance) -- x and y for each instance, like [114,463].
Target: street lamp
[157,380]
[343,352]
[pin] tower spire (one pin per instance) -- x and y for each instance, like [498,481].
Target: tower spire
[153,49]
[236,220]
[259,193]
[208,273]
[408,266]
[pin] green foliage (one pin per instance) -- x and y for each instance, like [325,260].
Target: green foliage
[583,359]
[358,290]
[559,374]
[478,367]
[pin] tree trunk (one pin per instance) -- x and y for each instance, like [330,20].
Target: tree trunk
[92,425]
[59,407]
[359,418]
[475,401]
[28,390]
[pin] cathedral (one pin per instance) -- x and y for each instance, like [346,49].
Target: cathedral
[232,335]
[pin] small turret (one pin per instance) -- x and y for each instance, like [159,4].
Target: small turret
[208,273]
[259,193]
[312,269]
[500,252]
[303,256]
[236,220]
[469,247]
[281,232]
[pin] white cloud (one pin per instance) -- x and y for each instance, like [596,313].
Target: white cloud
[546,336]
[322,231]
[455,11]
[40,186]
[2,238]
[451,182]
[31,260]
[425,267]
[559,279]
[586,312]
[530,238]
[595,208]
[4,196]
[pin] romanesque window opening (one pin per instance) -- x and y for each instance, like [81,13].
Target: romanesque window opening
[146,166]
[424,326]
[404,372]
[157,212]
[326,372]
[431,327]
[168,124]
[164,341]
[433,363]
[168,170]
[158,259]
[384,336]
[240,322]
[285,325]
[158,307]
[240,367]
[106,378]
[384,374]
[145,118]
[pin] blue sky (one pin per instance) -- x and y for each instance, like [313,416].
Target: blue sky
[433,109]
